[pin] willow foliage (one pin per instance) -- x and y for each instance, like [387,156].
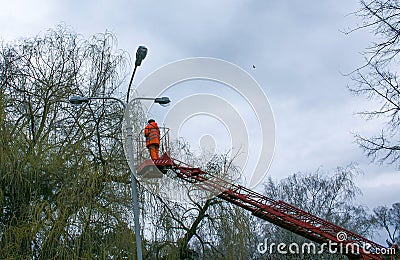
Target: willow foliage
[64,189]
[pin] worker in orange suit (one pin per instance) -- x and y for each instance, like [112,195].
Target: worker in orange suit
[152,134]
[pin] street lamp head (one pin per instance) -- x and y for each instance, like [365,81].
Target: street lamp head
[140,55]
[162,101]
[78,100]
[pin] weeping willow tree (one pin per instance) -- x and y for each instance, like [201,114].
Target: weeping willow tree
[64,183]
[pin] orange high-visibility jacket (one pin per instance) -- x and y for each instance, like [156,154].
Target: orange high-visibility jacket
[152,134]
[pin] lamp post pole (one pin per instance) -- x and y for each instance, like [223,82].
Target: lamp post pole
[77,100]
[140,55]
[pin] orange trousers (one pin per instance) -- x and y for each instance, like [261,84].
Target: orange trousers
[153,150]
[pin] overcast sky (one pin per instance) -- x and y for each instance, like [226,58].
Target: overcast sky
[297,47]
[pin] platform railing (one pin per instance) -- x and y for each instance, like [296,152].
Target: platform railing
[142,152]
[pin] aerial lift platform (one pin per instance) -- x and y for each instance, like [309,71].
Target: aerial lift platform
[277,212]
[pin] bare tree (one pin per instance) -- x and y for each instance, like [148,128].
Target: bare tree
[199,227]
[380,86]
[378,79]
[330,196]
[389,219]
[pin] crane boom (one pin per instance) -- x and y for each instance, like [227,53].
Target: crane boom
[277,212]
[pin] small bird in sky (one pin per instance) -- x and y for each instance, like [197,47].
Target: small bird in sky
[254,66]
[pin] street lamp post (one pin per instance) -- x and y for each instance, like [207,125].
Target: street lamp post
[140,55]
[78,100]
